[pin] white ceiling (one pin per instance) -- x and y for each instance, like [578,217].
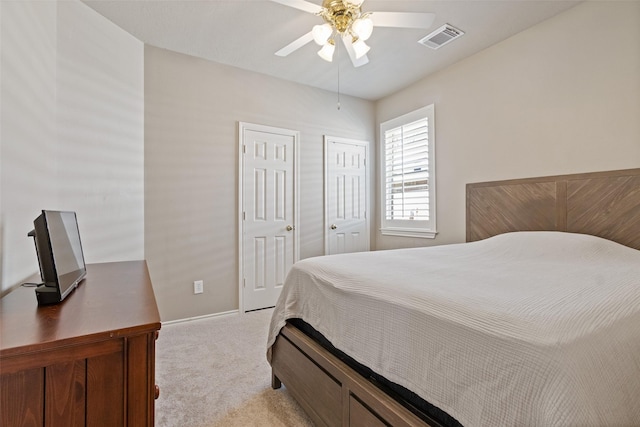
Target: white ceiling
[246,33]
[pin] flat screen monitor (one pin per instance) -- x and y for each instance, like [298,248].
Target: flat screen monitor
[60,256]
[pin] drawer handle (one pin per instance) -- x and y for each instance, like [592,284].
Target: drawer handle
[157,392]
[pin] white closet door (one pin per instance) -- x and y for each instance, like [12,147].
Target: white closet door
[268,219]
[346,196]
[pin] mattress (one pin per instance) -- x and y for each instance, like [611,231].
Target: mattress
[526,328]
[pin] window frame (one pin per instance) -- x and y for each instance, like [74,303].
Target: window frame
[409,228]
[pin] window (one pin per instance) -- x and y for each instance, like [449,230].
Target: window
[408,175]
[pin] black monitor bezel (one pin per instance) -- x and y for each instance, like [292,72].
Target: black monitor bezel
[52,289]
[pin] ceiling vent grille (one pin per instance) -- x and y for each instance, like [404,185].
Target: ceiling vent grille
[443,35]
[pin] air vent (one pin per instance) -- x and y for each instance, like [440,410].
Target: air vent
[441,36]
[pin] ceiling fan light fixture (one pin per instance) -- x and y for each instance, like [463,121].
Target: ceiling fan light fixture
[344,19]
[360,48]
[321,33]
[363,28]
[327,50]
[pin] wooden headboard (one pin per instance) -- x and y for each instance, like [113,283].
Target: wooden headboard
[605,204]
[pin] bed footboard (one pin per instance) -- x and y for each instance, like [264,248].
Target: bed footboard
[329,391]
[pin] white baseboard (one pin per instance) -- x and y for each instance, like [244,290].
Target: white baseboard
[206,316]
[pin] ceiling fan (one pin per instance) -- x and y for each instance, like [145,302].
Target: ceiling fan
[344,19]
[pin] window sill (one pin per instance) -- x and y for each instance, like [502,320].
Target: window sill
[409,232]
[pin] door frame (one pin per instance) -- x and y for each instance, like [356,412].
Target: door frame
[242,127]
[327,140]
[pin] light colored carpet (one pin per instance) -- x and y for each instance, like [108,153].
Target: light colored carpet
[213,372]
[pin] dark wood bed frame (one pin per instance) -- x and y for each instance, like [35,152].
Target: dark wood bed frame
[604,204]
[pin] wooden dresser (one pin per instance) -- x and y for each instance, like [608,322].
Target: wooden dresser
[88,361]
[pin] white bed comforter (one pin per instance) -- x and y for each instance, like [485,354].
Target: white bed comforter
[521,329]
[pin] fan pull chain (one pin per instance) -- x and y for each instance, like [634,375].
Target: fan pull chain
[338,62]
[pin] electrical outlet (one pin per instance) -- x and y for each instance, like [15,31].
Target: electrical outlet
[198,286]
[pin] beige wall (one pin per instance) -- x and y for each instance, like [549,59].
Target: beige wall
[561,97]
[71,131]
[27,130]
[192,110]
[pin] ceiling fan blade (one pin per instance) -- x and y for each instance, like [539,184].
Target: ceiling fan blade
[357,62]
[402,19]
[295,45]
[301,5]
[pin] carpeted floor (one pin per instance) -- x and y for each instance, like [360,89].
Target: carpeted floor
[214,372]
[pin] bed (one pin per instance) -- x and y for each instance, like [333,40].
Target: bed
[534,321]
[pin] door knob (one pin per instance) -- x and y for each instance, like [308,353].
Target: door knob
[333,226]
[289,228]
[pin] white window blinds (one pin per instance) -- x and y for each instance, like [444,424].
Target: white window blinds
[407,171]
[407,178]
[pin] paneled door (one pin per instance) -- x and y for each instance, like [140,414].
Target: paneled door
[346,192]
[268,216]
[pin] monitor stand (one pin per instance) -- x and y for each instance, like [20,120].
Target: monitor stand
[47,294]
